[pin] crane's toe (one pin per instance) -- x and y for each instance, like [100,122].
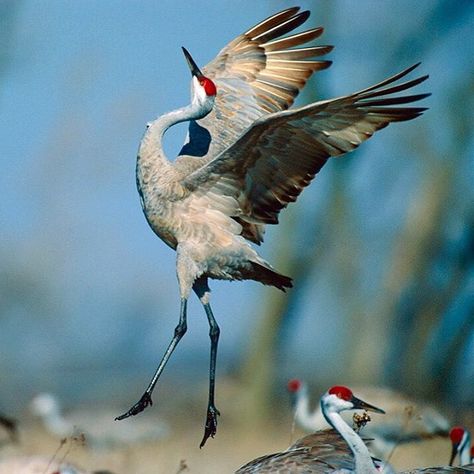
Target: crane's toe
[211,424]
[138,407]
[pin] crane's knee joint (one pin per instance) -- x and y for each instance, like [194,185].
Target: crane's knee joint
[214,332]
[180,330]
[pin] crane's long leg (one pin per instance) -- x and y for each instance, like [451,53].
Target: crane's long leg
[212,411]
[203,292]
[179,332]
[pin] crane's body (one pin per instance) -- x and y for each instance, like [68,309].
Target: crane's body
[327,451]
[246,158]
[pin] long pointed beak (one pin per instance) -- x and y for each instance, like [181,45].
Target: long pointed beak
[454,451]
[360,404]
[195,71]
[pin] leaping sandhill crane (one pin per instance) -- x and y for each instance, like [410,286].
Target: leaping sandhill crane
[245,159]
[406,420]
[336,450]
[461,445]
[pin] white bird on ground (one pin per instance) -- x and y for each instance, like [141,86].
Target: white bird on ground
[461,445]
[41,465]
[245,159]
[405,421]
[98,426]
[338,450]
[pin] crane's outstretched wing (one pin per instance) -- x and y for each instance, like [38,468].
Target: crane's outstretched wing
[257,73]
[271,163]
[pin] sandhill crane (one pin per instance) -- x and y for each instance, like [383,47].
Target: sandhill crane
[460,439]
[97,426]
[461,444]
[405,421]
[326,451]
[245,159]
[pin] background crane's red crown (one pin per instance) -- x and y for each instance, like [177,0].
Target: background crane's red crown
[456,434]
[294,385]
[341,392]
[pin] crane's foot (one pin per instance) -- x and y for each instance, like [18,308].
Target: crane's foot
[211,424]
[138,407]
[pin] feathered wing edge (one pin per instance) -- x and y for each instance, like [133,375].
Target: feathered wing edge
[272,162]
[258,73]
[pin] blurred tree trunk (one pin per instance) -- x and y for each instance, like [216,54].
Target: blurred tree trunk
[258,370]
[409,307]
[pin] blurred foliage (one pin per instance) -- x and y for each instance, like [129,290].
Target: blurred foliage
[412,299]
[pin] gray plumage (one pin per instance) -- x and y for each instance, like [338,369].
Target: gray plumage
[318,452]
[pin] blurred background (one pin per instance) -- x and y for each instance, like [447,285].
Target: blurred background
[381,245]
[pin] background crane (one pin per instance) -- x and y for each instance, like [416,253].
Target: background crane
[336,450]
[405,421]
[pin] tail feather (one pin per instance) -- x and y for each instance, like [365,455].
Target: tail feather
[267,276]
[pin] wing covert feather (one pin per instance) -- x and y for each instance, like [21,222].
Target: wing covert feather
[257,73]
[279,155]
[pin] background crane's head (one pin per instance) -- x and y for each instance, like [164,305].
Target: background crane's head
[341,398]
[203,90]
[460,438]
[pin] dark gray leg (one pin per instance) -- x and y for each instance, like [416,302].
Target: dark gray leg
[202,290]
[145,400]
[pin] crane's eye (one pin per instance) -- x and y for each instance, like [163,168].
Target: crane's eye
[209,86]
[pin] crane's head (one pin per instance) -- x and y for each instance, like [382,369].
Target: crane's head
[340,398]
[460,439]
[298,391]
[44,404]
[203,89]
[294,385]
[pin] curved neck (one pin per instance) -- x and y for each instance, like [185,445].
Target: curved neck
[304,417]
[151,144]
[363,460]
[465,450]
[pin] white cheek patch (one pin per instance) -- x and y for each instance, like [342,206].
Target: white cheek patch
[199,94]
